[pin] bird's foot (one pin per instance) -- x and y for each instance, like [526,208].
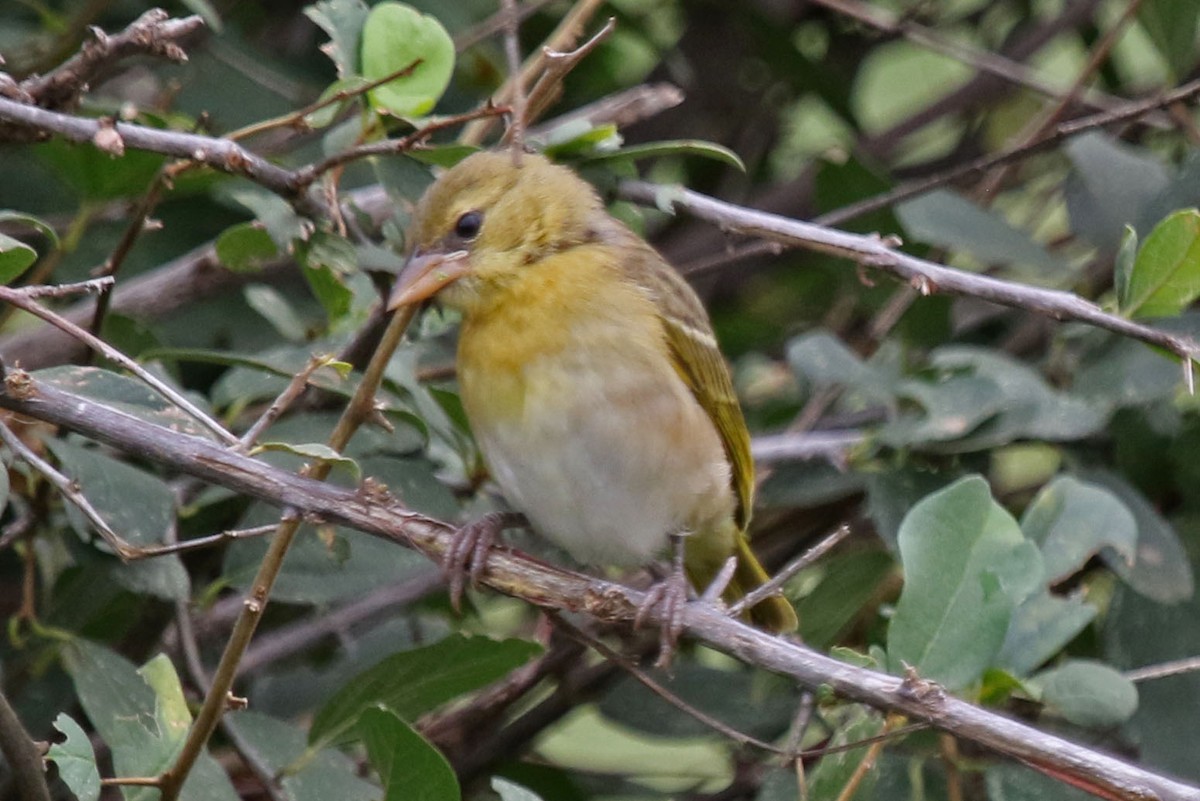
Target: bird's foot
[667,598]
[467,555]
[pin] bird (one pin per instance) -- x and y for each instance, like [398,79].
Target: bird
[591,378]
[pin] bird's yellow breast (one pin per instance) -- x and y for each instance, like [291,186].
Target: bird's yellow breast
[566,308]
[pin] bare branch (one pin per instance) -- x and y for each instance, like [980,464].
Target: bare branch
[515,574]
[925,276]
[153,33]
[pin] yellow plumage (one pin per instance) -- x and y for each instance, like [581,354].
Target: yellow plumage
[589,372]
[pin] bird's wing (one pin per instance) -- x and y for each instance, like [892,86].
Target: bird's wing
[698,360]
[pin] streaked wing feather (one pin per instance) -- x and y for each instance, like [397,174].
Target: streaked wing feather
[701,365]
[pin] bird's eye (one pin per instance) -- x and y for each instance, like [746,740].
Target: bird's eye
[468,225]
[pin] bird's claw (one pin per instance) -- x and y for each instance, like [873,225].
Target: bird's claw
[668,597]
[468,552]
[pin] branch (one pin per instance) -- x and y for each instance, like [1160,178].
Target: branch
[924,276]
[22,755]
[153,33]
[523,577]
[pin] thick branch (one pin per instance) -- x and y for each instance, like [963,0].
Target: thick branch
[521,576]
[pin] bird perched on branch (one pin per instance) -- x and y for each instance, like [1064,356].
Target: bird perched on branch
[591,378]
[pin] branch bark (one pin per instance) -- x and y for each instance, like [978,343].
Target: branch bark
[521,576]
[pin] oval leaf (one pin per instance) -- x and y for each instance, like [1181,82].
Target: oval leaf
[1089,693]
[15,258]
[966,566]
[1166,273]
[397,36]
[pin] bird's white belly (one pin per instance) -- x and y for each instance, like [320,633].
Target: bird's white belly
[610,475]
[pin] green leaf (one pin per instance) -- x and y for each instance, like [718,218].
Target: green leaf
[322,566]
[76,759]
[324,776]
[847,583]
[245,247]
[343,21]
[327,259]
[1171,25]
[824,360]
[1088,693]
[408,765]
[1041,627]
[1111,186]
[138,507]
[44,228]
[581,138]
[1166,273]
[125,394]
[395,36]
[412,682]
[274,214]
[1072,520]
[743,703]
[96,175]
[949,220]
[673,147]
[1124,262]
[835,771]
[313,451]
[951,408]
[142,716]
[1012,781]
[276,309]
[966,566]
[446,155]
[1161,571]
[15,258]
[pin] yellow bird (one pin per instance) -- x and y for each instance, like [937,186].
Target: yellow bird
[589,373]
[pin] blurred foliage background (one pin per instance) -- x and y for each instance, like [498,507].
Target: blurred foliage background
[1021,492]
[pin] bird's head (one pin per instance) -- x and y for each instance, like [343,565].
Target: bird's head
[485,220]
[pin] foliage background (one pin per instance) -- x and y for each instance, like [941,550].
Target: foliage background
[1035,590]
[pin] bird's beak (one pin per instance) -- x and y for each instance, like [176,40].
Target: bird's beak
[424,274]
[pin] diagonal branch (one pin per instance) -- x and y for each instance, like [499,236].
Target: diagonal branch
[924,276]
[534,581]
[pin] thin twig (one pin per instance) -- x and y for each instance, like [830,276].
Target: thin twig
[925,276]
[389,147]
[1037,130]
[282,402]
[358,410]
[587,640]
[297,119]
[1161,671]
[188,645]
[21,301]
[90,287]
[512,54]
[810,556]
[569,29]
[970,169]
[990,63]
[69,490]
[199,543]
[548,88]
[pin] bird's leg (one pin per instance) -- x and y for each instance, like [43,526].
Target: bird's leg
[467,555]
[669,596]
